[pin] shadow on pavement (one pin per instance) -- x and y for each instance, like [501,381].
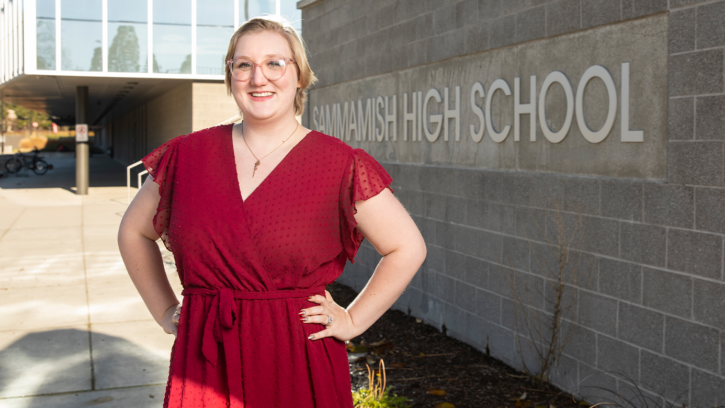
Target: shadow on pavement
[58,361]
[103,172]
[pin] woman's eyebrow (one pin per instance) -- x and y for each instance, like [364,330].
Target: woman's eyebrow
[266,56]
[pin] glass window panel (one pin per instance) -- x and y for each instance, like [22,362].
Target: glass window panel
[80,35]
[252,8]
[288,10]
[45,33]
[214,28]
[127,36]
[215,13]
[172,36]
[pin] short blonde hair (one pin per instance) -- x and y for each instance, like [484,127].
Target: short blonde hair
[299,53]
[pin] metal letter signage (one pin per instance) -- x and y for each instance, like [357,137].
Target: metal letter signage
[575,108]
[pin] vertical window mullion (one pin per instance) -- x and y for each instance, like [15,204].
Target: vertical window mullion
[104,35]
[236,14]
[193,37]
[57,35]
[150,35]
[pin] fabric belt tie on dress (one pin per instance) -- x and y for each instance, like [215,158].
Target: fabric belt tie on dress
[222,316]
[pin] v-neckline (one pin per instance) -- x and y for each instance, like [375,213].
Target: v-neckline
[271,173]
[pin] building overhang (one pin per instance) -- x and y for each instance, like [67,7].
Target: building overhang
[53,92]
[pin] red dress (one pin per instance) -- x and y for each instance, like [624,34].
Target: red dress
[248,266]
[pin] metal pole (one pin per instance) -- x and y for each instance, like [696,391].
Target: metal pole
[2,122]
[81,147]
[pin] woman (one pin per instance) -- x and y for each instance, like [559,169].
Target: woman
[260,217]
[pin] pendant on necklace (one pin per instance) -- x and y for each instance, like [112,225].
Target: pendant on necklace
[255,167]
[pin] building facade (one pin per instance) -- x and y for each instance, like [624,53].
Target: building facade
[154,68]
[516,131]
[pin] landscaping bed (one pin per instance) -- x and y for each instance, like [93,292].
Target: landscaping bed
[421,361]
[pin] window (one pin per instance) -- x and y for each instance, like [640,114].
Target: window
[127,36]
[45,30]
[214,28]
[172,36]
[80,35]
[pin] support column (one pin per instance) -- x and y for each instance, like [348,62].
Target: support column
[82,147]
[2,122]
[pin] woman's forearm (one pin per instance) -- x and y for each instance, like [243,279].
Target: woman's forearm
[392,275]
[142,258]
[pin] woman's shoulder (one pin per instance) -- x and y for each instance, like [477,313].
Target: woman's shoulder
[205,135]
[330,145]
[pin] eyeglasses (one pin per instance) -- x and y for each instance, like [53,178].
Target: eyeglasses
[272,69]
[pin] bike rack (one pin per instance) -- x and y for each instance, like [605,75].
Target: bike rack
[128,180]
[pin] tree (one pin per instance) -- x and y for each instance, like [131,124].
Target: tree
[123,54]
[186,65]
[97,60]
[46,44]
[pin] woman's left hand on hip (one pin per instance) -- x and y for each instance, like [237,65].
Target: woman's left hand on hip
[336,320]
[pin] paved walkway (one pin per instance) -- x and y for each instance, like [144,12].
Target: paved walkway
[73,330]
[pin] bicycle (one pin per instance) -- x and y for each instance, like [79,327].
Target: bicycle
[34,162]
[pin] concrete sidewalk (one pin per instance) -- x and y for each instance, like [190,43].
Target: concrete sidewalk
[73,330]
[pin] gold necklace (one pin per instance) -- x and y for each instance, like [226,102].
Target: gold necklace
[260,160]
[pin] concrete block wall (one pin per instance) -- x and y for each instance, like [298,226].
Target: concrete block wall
[655,308]
[211,105]
[170,115]
[185,108]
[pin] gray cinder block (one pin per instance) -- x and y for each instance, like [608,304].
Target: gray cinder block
[643,243]
[681,30]
[667,204]
[696,73]
[668,292]
[597,12]
[477,272]
[695,252]
[617,357]
[562,16]
[503,31]
[709,303]
[582,344]
[665,376]
[710,203]
[582,196]
[641,327]
[622,280]
[707,390]
[622,199]
[692,343]
[598,313]
[710,28]
[488,306]
[465,297]
[698,163]
[710,123]
[681,118]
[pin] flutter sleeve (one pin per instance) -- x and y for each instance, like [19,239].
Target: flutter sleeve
[161,165]
[364,178]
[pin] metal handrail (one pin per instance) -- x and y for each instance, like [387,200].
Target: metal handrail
[128,180]
[128,169]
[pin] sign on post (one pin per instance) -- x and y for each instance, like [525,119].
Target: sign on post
[81,132]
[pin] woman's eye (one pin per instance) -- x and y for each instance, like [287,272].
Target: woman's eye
[275,64]
[243,65]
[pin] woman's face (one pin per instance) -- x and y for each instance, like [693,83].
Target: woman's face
[259,98]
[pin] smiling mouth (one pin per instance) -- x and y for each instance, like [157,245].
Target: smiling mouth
[260,94]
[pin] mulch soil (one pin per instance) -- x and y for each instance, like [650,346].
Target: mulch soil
[419,358]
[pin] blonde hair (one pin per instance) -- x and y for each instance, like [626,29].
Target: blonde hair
[299,53]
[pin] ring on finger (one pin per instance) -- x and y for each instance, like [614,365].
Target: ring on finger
[329,320]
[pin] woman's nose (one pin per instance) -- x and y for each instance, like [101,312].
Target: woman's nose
[258,77]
